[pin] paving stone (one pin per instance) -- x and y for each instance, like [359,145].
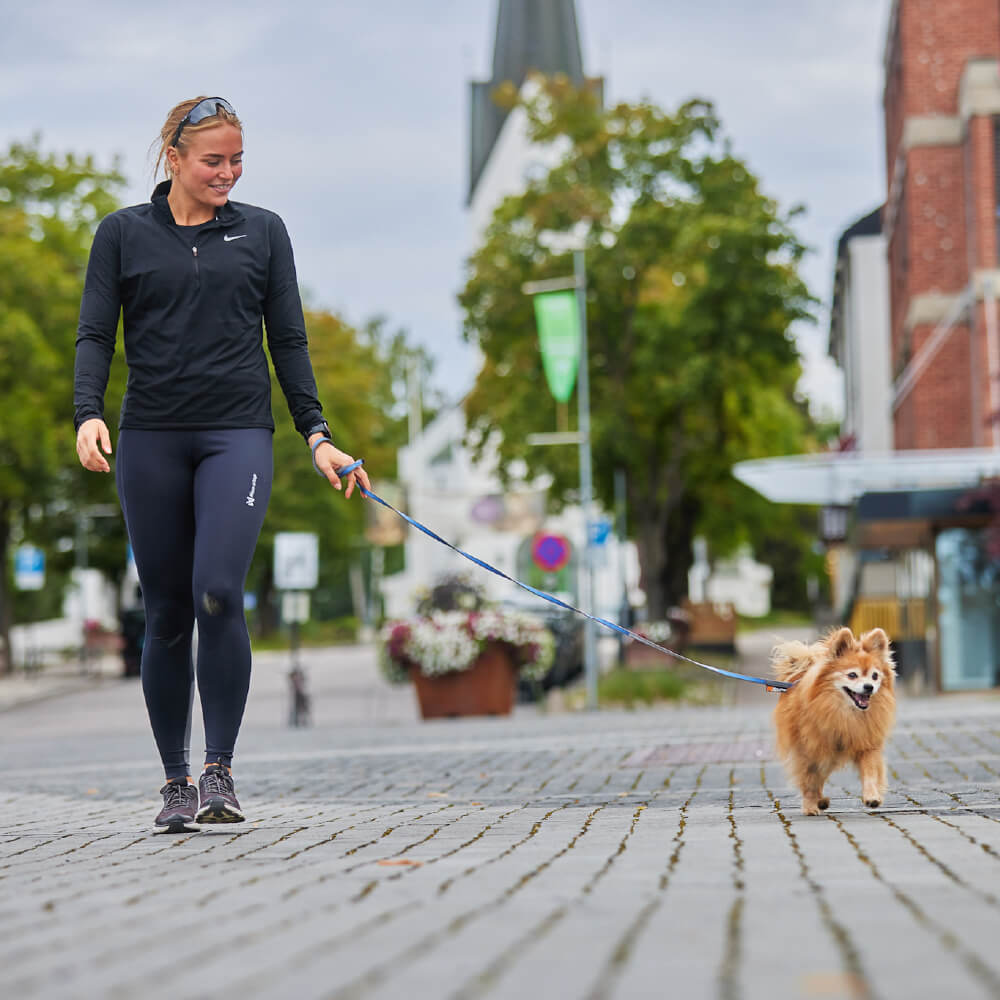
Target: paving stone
[593,855]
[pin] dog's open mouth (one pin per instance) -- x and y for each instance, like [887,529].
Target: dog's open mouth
[861,700]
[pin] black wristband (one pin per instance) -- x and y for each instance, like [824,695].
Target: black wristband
[321,428]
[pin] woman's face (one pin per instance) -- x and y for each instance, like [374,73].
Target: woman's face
[210,165]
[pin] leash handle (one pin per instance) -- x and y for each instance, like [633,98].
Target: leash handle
[348,469]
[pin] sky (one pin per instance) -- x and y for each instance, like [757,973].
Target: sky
[356,119]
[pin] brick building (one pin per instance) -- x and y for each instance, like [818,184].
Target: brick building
[942,109]
[914,552]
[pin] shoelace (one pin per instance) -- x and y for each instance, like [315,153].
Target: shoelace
[217,780]
[173,793]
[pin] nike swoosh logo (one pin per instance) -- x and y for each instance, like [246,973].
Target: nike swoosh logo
[229,239]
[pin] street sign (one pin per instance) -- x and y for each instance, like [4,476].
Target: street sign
[294,607]
[599,531]
[29,568]
[296,560]
[550,552]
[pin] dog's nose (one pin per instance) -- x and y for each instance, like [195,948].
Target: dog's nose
[869,688]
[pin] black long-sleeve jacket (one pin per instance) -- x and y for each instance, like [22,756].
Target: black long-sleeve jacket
[193,300]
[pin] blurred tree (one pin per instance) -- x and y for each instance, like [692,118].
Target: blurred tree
[49,208]
[782,536]
[692,286]
[361,379]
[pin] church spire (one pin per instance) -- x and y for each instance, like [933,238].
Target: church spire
[539,35]
[536,35]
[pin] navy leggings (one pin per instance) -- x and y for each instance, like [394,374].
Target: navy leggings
[194,502]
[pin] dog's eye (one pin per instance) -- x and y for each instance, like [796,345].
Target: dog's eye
[853,675]
[874,676]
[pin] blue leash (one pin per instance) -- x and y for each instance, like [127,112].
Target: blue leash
[770,685]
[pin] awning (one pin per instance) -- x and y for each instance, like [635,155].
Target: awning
[842,477]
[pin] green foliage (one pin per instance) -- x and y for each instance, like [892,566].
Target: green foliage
[64,197]
[776,620]
[692,286]
[644,687]
[360,379]
[789,545]
[49,208]
[333,632]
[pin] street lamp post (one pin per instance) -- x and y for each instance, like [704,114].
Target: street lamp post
[575,240]
[586,483]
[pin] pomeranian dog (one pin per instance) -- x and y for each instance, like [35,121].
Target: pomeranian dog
[840,711]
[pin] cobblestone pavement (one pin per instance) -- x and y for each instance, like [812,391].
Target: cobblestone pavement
[648,854]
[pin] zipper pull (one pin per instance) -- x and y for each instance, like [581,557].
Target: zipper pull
[194,250]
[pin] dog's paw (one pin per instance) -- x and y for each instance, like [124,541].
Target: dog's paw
[873,803]
[810,809]
[824,803]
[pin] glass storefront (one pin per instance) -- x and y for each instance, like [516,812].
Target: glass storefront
[968,611]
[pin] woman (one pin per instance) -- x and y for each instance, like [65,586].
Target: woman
[195,276]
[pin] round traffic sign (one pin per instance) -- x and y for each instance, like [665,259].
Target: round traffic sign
[550,552]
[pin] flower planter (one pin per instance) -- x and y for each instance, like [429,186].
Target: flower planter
[465,662]
[486,688]
[640,657]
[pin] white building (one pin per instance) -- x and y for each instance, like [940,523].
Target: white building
[738,580]
[859,343]
[859,334]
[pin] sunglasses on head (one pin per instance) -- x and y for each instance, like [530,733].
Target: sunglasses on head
[202,110]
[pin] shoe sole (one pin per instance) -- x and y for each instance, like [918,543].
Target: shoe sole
[219,811]
[177,826]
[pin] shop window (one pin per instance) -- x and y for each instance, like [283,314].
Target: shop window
[968,611]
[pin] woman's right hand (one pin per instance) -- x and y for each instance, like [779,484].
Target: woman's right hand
[93,436]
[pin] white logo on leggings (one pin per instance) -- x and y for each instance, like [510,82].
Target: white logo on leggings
[253,490]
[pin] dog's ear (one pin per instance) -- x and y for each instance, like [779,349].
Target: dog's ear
[840,642]
[877,642]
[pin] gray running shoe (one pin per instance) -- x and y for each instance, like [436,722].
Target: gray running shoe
[218,797]
[180,803]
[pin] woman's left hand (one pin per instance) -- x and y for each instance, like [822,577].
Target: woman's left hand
[329,458]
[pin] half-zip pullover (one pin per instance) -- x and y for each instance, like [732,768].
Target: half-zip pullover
[192,300]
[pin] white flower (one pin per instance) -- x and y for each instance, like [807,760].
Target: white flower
[657,631]
[449,641]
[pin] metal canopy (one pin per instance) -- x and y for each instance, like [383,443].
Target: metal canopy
[842,477]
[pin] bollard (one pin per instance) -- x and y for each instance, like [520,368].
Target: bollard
[300,701]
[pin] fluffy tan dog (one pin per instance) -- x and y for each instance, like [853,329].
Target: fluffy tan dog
[840,711]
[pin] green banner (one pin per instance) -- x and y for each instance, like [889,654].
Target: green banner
[558,320]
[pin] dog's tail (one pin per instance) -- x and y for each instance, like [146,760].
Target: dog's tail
[791,660]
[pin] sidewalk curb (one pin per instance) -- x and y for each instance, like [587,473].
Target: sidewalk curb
[43,689]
